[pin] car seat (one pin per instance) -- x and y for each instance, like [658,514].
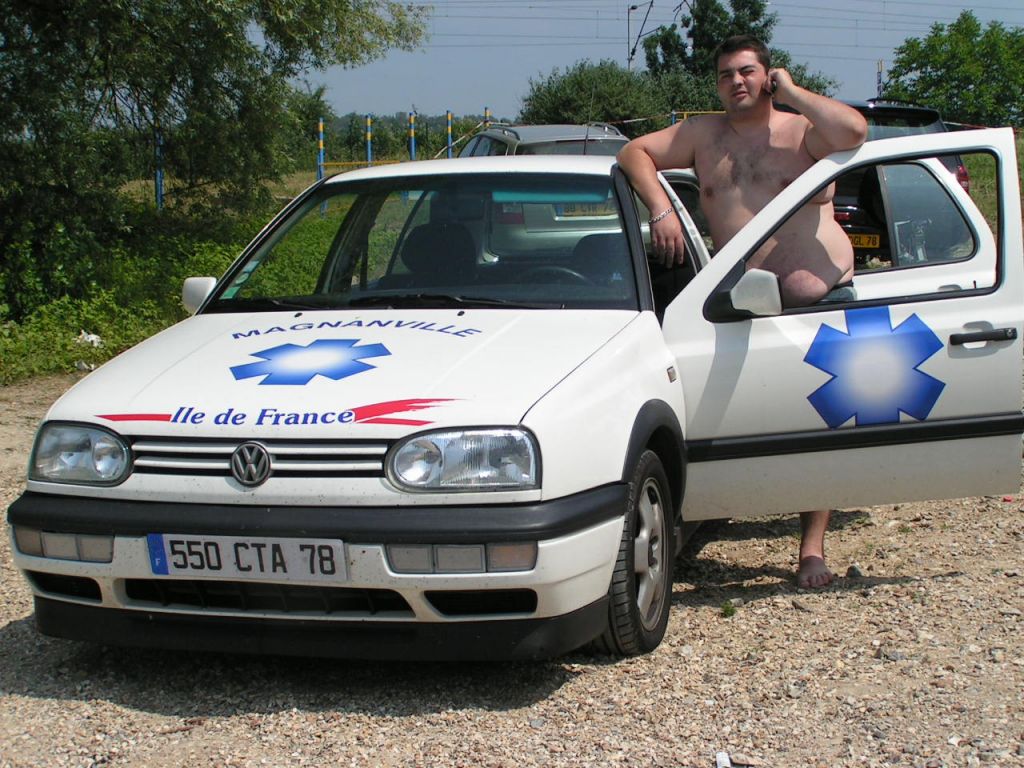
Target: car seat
[440,253]
[602,258]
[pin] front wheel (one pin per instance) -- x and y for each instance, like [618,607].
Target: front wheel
[640,593]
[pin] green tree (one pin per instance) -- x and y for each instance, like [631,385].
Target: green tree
[587,92]
[685,93]
[87,86]
[710,23]
[303,109]
[802,76]
[971,74]
[665,51]
[706,25]
[352,139]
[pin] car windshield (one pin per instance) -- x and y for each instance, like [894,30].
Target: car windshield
[887,126]
[499,240]
[571,147]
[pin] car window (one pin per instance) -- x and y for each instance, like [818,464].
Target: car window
[492,147]
[914,230]
[536,240]
[688,193]
[291,265]
[668,282]
[897,216]
[572,147]
[890,126]
[483,146]
[689,196]
[925,224]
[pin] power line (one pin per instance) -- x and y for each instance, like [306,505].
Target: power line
[830,45]
[957,6]
[601,43]
[532,36]
[858,19]
[885,14]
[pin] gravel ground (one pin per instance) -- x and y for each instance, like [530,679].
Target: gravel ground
[915,658]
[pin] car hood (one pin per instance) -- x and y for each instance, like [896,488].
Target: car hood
[312,374]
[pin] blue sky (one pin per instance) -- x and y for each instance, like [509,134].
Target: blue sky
[483,53]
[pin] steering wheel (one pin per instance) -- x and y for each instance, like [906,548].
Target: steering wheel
[554,274]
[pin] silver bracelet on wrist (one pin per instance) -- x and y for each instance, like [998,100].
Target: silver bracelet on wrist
[660,216]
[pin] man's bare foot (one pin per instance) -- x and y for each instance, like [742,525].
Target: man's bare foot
[813,573]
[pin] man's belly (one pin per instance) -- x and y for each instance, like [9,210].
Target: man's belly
[810,253]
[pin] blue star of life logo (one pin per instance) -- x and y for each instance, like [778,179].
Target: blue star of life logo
[295,364]
[874,369]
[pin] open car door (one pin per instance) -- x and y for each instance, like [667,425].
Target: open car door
[909,391]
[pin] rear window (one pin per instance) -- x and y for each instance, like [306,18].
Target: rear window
[887,125]
[573,147]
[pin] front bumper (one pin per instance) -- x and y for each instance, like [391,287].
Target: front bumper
[550,609]
[464,641]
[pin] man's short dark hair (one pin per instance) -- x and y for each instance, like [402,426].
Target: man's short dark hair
[744,43]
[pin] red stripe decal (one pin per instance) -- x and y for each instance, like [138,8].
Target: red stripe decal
[134,416]
[371,414]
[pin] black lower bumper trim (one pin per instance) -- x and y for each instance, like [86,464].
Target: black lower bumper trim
[454,524]
[445,641]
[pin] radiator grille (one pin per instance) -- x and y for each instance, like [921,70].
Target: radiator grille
[288,458]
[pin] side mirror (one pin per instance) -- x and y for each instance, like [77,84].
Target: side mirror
[757,293]
[195,290]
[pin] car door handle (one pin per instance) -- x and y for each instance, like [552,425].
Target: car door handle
[996,334]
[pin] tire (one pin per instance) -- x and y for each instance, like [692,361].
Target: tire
[640,593]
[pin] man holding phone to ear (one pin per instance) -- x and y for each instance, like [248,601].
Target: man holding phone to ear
[743,159]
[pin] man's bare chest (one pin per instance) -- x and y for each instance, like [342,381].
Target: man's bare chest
[729,164]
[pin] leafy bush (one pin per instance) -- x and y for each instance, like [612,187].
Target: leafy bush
[48,340]
[144,269]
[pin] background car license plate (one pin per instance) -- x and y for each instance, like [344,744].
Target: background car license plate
[247,557]
[865,241]
[581,210]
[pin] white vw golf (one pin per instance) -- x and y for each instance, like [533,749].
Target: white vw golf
[450,409]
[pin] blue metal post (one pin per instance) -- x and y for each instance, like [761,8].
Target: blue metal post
[448,116]
[369,140]
[412,135]
[158,180]
[320,153]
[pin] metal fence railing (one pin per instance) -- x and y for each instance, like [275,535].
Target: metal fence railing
[322,165]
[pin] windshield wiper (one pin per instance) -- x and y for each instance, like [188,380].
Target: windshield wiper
[294,304]
[441,300]
[266,304]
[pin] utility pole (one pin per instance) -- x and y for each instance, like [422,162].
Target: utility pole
[629,37]
[630,45]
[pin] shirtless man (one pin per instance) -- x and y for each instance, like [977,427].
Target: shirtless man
[743,159]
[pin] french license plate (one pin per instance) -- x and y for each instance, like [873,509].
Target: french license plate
[247,557]
[581,210]
[865,241]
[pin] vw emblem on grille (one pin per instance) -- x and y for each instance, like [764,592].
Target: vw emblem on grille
[250,464]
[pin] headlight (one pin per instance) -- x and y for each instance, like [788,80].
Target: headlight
[465,460]
[73,453]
